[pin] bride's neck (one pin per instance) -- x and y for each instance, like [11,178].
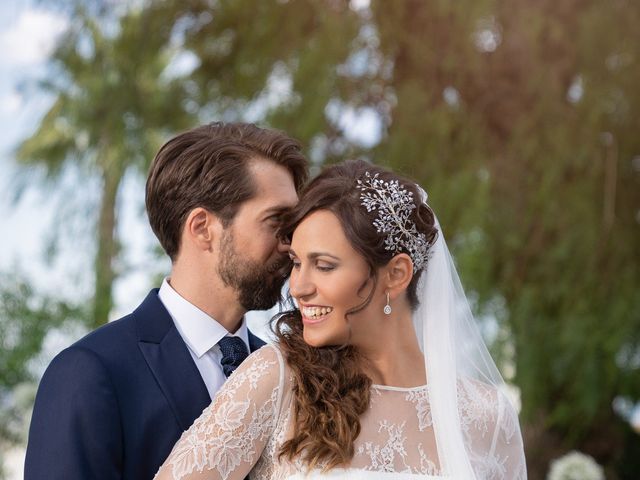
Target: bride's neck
[394,357]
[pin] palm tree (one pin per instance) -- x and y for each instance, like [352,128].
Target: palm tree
[114,102]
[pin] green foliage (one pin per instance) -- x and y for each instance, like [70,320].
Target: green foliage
[530,167]
[520,122]
[115,102]
[519,117]
[271,62]
[26,319]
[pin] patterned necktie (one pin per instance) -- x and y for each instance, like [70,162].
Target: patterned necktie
[234,351]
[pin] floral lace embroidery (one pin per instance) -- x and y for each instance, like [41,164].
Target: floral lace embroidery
[509,420]
[223,436]
[420,398]
[250,419]
[492,467]
[383,457]
[427,467]
[373,399]
[477,407]
[488,419]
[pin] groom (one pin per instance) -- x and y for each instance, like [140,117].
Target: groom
[112,405]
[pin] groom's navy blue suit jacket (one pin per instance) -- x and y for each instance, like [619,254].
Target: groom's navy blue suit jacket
[113,404]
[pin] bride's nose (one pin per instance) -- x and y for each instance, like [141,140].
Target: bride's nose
[300,285]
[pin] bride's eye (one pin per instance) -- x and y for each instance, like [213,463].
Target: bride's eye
[295,264]
[325,267]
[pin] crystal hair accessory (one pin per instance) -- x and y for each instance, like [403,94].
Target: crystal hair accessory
[394,205]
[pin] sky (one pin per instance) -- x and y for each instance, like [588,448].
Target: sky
[27,37]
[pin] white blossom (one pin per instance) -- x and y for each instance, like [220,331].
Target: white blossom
[575,466]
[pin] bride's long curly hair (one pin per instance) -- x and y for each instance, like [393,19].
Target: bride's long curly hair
[330,387]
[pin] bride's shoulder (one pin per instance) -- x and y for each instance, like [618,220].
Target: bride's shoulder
[269,352]
[478,395]
[484,403]
[267,357]
[268,360]
[471,388]
[261,374]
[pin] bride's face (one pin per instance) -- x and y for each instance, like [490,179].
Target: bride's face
[329,278]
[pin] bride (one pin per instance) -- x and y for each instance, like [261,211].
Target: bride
[379,372]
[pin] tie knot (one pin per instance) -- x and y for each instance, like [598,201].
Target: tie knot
[234,351]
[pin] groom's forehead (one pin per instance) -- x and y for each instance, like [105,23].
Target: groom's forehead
[270,201]
[273,186]
[267,207]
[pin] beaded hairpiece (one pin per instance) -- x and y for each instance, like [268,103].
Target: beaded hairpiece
[394,204]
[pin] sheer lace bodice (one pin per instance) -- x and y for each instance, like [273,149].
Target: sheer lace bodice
[251,416]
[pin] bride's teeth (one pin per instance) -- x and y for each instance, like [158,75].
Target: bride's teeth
[316,311]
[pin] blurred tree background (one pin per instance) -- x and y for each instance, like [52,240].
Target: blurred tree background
[520,118]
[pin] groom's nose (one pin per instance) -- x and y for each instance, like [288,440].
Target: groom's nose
[283,246]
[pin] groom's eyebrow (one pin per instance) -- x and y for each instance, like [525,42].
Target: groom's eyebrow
[279,209]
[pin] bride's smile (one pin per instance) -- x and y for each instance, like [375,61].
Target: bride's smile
[314,313]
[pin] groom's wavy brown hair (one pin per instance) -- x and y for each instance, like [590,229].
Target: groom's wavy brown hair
[330,387]
[207,167]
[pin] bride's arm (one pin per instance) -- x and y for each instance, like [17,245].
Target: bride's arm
[492,432]
[226,441]
[507,445]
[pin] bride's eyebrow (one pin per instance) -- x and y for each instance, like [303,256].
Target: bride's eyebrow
[314,255]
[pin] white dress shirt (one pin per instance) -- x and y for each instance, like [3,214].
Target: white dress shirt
[201,333]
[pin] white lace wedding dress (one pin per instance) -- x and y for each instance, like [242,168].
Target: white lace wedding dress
[242,430]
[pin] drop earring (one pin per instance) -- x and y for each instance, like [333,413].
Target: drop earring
[387,307]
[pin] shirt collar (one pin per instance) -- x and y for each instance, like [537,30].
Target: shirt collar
[198,330]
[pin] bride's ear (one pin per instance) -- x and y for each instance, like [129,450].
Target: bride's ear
[399,272]
[201,228]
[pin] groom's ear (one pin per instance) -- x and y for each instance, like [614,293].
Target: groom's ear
[201,228]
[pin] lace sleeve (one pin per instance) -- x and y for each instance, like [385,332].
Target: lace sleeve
[492,432]
[230,435]
[507,445]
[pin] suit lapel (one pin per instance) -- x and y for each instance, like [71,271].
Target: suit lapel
[169,360]
[255,342]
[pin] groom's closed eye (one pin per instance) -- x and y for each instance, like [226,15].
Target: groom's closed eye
[274,215]
[274,221]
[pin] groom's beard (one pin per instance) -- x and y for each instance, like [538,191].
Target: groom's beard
[258,286]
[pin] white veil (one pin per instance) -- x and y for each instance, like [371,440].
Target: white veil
[476,428]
